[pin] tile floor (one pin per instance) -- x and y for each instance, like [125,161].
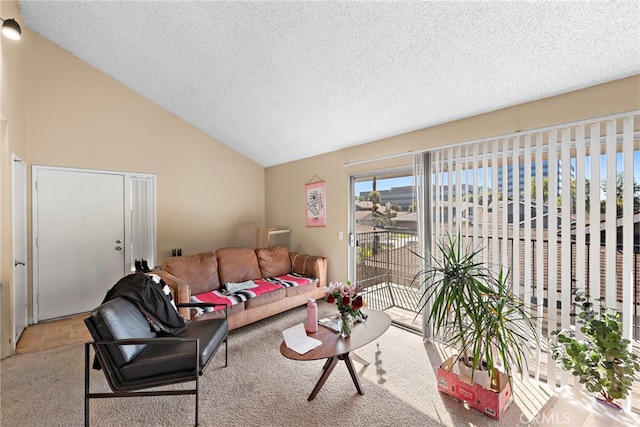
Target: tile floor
[53,333]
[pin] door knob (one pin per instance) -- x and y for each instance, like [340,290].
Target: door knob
[118,248]
[118,241]
[17,263]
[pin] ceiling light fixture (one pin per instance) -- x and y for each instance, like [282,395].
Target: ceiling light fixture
[11,29]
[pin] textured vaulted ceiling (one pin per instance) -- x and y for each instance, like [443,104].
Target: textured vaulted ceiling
[281,81]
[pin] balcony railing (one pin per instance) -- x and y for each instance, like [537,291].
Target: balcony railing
[386,266]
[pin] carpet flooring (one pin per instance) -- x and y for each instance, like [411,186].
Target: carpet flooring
[259,388]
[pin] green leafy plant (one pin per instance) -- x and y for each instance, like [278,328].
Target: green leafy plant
[474,310]
[602,359]
[502,328]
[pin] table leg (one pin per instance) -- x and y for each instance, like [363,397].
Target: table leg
[326,364]
[357,358]
[328,367]
[354,376]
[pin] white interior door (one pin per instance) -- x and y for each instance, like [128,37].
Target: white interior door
[19,247]
[79,230]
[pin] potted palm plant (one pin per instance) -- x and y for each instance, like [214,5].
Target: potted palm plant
[601,359]
[475,310]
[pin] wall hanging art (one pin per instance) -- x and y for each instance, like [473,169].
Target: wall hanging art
[316,203]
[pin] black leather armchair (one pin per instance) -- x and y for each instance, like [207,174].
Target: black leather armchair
[134,358]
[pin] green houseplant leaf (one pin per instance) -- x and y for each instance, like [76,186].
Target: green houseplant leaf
[602,359]
[473,309]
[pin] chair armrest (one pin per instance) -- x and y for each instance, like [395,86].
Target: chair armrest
[146,341]
[203,305]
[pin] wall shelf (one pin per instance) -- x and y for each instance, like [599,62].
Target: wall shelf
[267,237]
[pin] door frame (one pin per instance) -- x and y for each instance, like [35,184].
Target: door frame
[128,265]
[22,257]
[384,173]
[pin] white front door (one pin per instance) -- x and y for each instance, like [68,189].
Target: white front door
[79,230]
[19,247]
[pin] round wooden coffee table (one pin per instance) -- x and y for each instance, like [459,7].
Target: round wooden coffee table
[335,348]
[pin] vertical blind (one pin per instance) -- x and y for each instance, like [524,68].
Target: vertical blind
[143,227]
[560,208]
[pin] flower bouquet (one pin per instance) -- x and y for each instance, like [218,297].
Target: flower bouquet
[349,304]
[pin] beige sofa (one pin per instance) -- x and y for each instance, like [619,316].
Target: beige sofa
[282,280]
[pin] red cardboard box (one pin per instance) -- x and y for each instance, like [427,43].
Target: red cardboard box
[490,402]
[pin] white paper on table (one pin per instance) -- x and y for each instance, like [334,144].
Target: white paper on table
[297,340]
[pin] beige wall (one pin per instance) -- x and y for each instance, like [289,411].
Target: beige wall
[66,113]
[208,194]
[285,183]
[62,112]
[12,140]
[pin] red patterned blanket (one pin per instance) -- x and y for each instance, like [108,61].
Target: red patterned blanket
[289,280]
[263,286]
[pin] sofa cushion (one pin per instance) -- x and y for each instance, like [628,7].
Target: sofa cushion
[231,287]
[237,265]
[200,271]
[298,290]
[274,261]
[218,297]
[275,295]
[296,284]
[291,280]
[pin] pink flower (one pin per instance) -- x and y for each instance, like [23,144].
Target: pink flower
[345,296]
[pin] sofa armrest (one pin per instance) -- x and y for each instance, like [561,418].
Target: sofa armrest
[310,265]
[180,289]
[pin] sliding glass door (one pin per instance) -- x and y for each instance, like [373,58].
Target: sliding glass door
[559,209]
[383,238]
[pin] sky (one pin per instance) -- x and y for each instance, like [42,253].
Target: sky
[386,184]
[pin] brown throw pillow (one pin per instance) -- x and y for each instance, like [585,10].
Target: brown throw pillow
[274,261]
